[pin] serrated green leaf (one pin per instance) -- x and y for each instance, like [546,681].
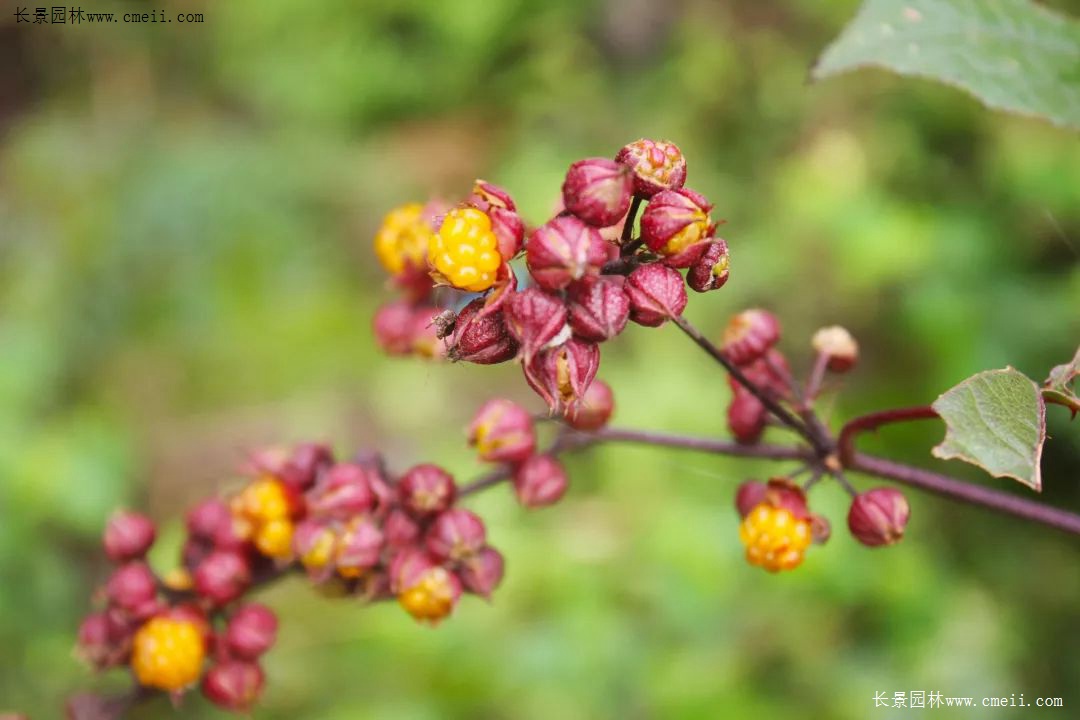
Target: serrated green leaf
[1058,387]
[997,421]
[1010,54]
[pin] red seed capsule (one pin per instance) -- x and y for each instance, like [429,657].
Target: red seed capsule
[657,294]
[222,577]
[132,586]
[540,481]
[657,165]
[456,534]
[426,490]
[128,535]
[233,685]
[502,431]
[879,517]
[595,408]
[563,250]
[598,191]
[251,631]
[597,307]
[749,335]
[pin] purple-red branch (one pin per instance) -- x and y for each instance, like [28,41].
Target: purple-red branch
[845,444]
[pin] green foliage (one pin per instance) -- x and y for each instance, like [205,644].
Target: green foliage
[996,420]
[1010,54]
[186,272]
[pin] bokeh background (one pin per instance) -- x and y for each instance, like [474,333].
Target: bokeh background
[186,214]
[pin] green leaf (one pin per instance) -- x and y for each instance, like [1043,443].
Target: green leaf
[1058,387]
[996,420]
[1010,54]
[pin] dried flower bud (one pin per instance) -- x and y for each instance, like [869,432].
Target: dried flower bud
[657,165]
[304,465]
[595,408]
[539,481]
[212,521]
[676,224]
[251,631]
[746,418]
[750,494]
[837,344]
[359,547]
[561,375]
[393,328]
[103,641]
[315,544]
[878,517]
[656,293]
[598,191]
[343,491]
[597,307]
[456,534]
[710,271]
[536,319]
[502,431]
[426,490]
[482,572]
[820,529]
[128,535]
[132,586]
[222,577]
[770,372]
[563,250]
[233,685]
[400,529]
[480,335]
[507,225]
[749,335]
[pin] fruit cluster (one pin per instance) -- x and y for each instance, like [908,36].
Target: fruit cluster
[355,529]
[586,276]
[350,526]
[166,635]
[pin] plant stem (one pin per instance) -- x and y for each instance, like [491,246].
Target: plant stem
[966,492]
[572,440]
[845,444]
[820,444]
[631,216]
[817,375]
[919,478]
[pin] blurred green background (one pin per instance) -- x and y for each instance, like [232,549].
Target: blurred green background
[186,214]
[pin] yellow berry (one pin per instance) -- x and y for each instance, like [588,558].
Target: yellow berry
[432,597]
[263,500]
[464,253]
[167,653]
[402,240]
[774,538]
[274,538]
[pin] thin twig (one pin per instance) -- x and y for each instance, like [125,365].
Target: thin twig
[845,444]
[966,492]
[821,445]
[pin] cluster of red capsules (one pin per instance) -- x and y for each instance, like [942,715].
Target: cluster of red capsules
[587,277]
[354,529]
